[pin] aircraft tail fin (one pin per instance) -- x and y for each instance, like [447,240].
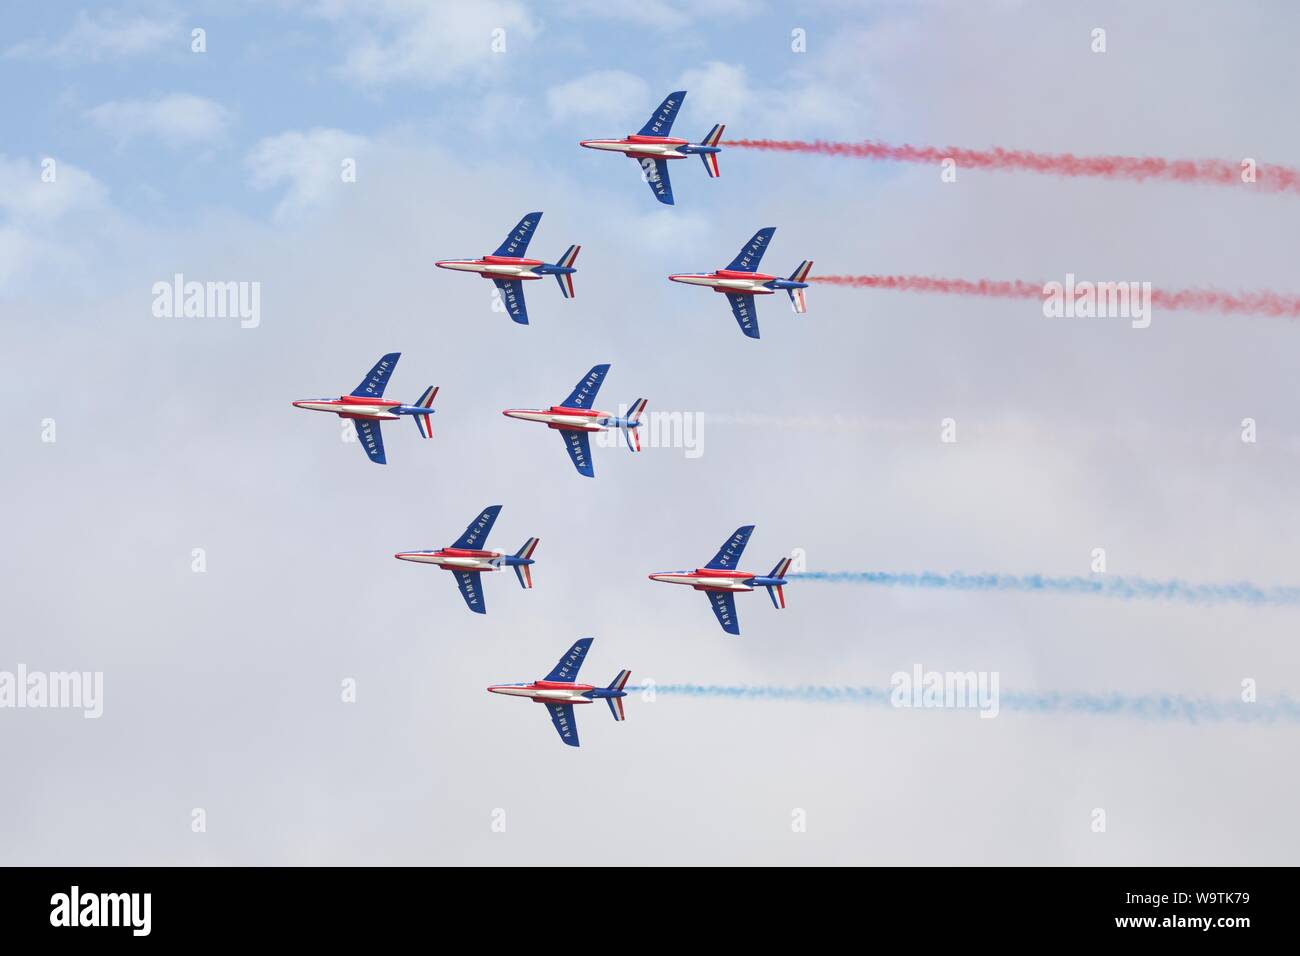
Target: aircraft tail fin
[776,591]
[630,435]
[425,422]
[616,703]
[710,160]
[800,274]
[524,572]
[565,279]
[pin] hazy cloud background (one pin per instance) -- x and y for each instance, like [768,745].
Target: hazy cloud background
[222,689]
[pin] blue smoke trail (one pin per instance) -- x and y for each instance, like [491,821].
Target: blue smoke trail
[1111,586]
[1153,707]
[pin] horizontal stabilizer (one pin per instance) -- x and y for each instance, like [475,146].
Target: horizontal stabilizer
[616,707]
[631,435]
[565,279]
[425,422]
[710,160]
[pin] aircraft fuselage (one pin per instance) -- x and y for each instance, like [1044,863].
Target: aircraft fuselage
[455,559]
[708,579]
[496,267]
[355,406]
[546,692]
[565,419]
[725,280]
[641,147]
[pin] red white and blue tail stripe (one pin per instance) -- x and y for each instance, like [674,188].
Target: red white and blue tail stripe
[524,572]
[616,703]
[425,422]
[777,592]
[630,435]
[566,262]
[711,159]
[796,295]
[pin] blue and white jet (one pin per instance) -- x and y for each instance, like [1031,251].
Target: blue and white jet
[741,281]
[653,147]
[575,420]
[467,559]
[560,691]
[366,407]
[721,581]
[510,269]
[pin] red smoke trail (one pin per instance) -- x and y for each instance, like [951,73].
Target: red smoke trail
[1186,300]
[1218,172]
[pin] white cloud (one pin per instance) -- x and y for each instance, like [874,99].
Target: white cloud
[25,197]
[106,37]
[794,105]
[412,41]
[178,119]
[663,14]
[309,162]
[35,209]
[606,95]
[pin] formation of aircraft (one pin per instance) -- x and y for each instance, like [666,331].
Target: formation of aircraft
[560,691]
[653,146]
[509,268]
[367,408]
[721,581]
[740,281]
[575,420]
[467,559]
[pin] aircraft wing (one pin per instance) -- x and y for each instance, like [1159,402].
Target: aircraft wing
[660,122]
[751,254]
[655,173]
[475,535]
[565,725]
[724,608]
[372,386]
[471,590]
[569,665]
[579,447]
[584,393]
[728,555]
[516,244]
[742,307]
[512,297]
[371,438]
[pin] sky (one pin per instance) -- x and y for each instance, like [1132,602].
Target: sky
[223,688]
